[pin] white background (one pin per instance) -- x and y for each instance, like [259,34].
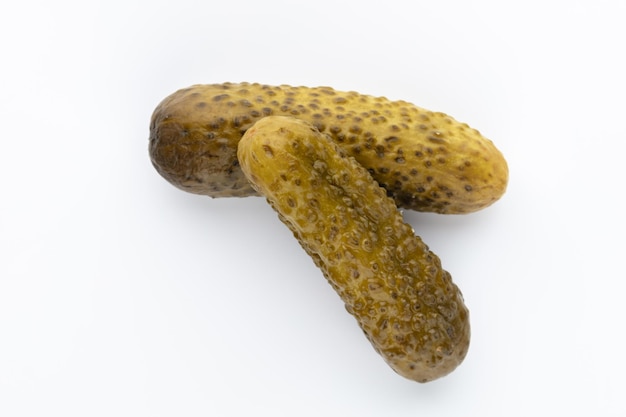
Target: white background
[123,296]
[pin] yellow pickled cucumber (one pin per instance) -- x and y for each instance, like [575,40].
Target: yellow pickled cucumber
[427,161]
[407,305]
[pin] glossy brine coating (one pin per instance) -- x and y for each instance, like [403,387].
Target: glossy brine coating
[407,305]
[426,161]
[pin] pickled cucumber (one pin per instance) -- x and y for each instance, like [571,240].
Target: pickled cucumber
[395,287]
[426,161]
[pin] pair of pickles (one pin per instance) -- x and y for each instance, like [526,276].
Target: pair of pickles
[336,166]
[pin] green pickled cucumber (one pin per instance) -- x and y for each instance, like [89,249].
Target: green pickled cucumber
[395,287]
[426,161]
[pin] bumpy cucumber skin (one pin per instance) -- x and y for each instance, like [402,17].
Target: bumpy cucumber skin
[407,305]
[426,161]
